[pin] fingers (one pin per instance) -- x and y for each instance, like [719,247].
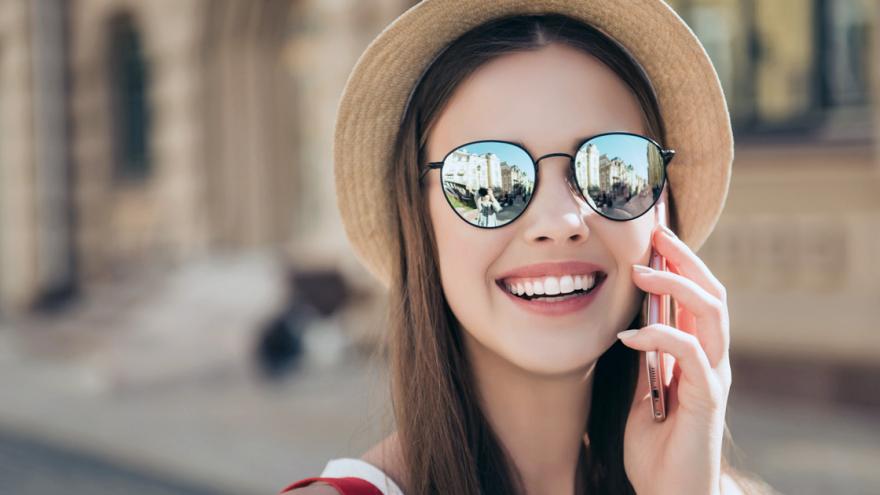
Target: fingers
[687,263]
[689,357]
[709,312]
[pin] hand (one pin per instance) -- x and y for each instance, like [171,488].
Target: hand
[682,454]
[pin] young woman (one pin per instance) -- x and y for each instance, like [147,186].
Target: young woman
[487,208]
[509,374]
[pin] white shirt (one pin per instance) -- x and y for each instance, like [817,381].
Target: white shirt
[358,468]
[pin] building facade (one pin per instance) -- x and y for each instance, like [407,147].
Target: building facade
[141,133]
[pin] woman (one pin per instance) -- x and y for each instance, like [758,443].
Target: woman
[507,372]
[487,207]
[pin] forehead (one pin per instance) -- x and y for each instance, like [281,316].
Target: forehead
[547,98]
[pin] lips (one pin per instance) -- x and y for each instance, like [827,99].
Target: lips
[556,305]
[551,282]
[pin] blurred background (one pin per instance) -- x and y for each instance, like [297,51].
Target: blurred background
[180,312]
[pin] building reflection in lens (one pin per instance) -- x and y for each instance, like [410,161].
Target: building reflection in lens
[488,184]
[620,175]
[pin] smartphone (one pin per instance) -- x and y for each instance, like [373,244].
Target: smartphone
[657,311]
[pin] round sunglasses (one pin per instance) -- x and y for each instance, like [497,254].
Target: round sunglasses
[490,183]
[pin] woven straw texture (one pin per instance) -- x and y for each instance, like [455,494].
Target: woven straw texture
[691,102]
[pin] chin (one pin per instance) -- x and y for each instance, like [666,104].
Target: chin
[549,366]
[552,357]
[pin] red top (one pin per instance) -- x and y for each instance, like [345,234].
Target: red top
[346,486]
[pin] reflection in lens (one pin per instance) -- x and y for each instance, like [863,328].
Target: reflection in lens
[488,183]
[621,175]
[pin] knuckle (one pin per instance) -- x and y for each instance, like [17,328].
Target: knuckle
[727,375]
[716,395]
[690,342]
[722,291]
[724,374]
[716,306]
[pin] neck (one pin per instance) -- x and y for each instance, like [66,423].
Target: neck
[540,419]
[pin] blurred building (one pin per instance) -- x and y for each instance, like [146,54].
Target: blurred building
[798,242]
[141,133]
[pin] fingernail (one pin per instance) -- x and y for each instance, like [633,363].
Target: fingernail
[642,269]
[627,333]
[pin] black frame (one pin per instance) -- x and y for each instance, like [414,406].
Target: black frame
[667,154]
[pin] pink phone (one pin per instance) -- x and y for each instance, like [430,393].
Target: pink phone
[657,311]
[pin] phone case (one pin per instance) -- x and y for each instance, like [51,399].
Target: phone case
[657,311]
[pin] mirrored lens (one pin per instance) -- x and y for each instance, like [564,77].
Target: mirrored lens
[621,175]
[488,183]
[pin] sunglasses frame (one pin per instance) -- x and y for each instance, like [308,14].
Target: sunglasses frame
[667,154]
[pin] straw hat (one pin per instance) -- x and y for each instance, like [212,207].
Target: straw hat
[690,97]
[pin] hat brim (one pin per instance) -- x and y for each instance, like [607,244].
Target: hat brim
[690,97]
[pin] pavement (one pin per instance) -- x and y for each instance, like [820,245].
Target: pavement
[28,466]
[231,432]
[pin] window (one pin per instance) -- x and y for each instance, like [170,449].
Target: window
[790,66]
[846,51]
[130,111]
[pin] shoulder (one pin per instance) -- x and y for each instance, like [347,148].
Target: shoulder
[388,457]
[384,455]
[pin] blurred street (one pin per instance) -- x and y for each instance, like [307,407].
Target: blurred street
[179,395]
[30,466]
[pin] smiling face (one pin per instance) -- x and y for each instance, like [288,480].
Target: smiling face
[549,99]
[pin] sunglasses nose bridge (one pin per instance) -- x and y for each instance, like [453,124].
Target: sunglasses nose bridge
[571,160]
[549,155]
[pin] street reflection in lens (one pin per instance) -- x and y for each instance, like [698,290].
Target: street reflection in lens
[488,183]
[621,175]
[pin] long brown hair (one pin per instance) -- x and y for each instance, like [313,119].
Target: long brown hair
[447,444]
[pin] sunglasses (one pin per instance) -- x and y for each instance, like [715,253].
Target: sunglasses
[490,183]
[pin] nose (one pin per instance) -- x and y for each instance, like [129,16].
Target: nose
[557,214]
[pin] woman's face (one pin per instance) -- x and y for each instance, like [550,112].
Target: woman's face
[550,100]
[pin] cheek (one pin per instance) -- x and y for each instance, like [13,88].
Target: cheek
[629,243]
[465,254]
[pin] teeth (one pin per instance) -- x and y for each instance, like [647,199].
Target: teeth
[551,286]
[538,286]
[566,284]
